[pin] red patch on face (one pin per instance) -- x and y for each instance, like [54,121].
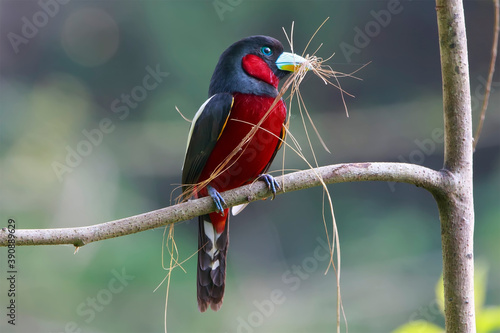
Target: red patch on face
[258,68]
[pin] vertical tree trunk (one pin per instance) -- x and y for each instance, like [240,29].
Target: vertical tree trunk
[456,205]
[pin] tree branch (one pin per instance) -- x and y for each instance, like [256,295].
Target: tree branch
[456,205]
[493,60]
[420,176]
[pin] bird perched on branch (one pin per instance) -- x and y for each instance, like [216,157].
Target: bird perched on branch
[233,139]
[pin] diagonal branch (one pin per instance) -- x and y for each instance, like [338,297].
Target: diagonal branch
[493,59]
[432,180]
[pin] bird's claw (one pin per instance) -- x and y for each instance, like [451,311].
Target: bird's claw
[217,198]
[271,182]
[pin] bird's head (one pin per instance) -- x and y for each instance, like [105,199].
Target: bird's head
[253,65]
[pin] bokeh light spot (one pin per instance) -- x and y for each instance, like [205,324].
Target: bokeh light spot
[90,36]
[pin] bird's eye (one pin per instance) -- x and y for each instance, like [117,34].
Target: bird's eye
[266,50]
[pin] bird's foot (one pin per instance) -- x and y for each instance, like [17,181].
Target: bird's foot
[217,198]
[271,183]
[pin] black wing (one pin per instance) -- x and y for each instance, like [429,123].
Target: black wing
[206,128]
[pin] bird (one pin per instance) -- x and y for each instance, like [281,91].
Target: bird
[221,154]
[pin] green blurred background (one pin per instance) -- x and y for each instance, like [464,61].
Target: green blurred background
[64,75]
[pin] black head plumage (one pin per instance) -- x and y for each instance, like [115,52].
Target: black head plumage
[229,75]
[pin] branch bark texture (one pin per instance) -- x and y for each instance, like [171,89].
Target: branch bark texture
[391,172]
[456,205]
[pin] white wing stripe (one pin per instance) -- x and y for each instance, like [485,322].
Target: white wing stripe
[193,122]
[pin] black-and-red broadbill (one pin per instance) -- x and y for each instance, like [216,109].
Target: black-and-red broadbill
[242,90]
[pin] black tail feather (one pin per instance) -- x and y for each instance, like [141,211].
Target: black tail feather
[211,276]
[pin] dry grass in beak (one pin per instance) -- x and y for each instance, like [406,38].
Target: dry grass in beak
[318,66]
